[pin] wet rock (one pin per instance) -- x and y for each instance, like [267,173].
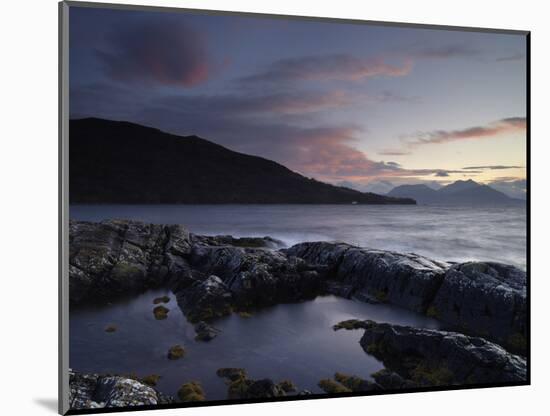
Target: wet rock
[205,332]
[191,392]
[176,352]
[429,357]
[161,312]
[350,324]
[117,257]
[228,240]
[110,328]
[407,280]
[151,380]
[333,387]
[241,387]
[89,391]
[162,299]
[263,388]
[206,299]
[287,386]
[355,383]
[258,277]
[388,380]
[488,299]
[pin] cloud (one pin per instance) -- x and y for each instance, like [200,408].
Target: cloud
[164,51]
[328,67]
[270,126]
[493,167]
[441,174]
[511,186]
[506,125]
[514,57]
[390,152]
[246,103]
[445,51]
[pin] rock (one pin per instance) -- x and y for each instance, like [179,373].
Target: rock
[176,352]
[151,380]
[204,300]
[89,391]
[191,392]
[258,277]
[263,388]
[407,280]
[333,387]
[355,383]
[350,324]
[487,299]
[227,240]
[287,386]
[205,332]
[161,312]
[344,383]
[428,357]
[231,373]
[335,288]
[116,257]
[241,387]
[388,380]
[212,276]
[110,328]
[162,299]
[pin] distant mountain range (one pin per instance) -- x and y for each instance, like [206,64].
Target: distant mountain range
[457,193]
[121,162]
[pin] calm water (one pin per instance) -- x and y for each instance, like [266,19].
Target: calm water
[289,341]
[442,233]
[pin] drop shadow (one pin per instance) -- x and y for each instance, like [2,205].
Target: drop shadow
[48,404]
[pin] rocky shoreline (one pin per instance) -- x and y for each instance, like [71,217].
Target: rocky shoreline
[483,304]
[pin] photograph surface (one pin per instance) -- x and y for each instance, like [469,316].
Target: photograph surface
[272,208]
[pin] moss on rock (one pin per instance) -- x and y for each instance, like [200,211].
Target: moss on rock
[287,386]
[176,352]
[111,328]
[349,324]
[161,312]
[332,387]
[162,299]
[151,380]
[353,383]
[191,392]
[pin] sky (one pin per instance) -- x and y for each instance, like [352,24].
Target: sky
[360,105]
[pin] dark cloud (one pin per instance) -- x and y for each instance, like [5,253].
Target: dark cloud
[328,67]
[441,174]
[493,167]
[163,52]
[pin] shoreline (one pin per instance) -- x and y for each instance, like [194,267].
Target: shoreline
[214,276]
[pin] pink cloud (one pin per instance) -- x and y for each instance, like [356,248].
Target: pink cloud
[330,67]
[506,125]
[163,52]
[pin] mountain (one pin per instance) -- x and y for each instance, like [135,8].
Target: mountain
[457,193]
[121,162]
[423,194]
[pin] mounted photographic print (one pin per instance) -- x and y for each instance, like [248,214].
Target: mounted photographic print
[263,208]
